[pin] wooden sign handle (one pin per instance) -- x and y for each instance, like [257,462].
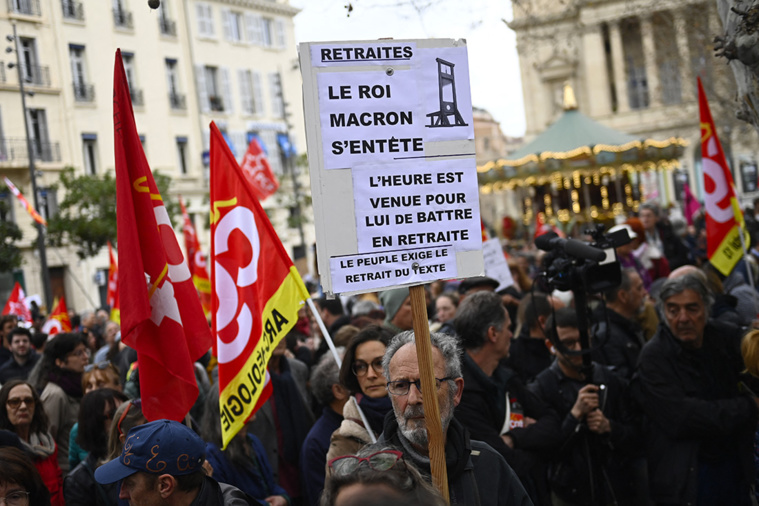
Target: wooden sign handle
[427,377]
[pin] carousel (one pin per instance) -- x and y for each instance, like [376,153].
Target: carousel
[578,172]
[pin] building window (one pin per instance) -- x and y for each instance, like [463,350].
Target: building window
[250,91]
[6,204]
[668,61]
[48,202]
[213,89]
[72,9]
[121,17]
[26,7]
[90,152]
[277,103]
[267,32]
[83,91]
[39,138]
[167,25]
[176,99]
[129,70]
[182,154]
[635,64]
[30,70]
[233,25]
[204,13]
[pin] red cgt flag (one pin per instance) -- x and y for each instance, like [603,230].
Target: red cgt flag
[724,218]
[257,290]
[59,319]
[196,260]
[112,298]
[257,171]
[165,322]
[16,305]
[29,208]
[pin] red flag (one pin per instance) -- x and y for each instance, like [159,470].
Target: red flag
[196,260]
[724,218]
[16,304]
[29,208]
[165,322]
[112,298]
[541,227]
[59,319]
[257,171]
[256,292]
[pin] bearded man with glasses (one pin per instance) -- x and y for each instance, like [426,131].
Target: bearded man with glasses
[477,474]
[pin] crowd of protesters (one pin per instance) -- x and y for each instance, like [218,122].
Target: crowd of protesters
[666,413]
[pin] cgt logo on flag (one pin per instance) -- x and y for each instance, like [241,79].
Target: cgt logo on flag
[257,170]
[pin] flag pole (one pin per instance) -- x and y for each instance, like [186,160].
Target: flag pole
[331,344]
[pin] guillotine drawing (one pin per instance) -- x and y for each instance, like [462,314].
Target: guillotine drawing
[447,97]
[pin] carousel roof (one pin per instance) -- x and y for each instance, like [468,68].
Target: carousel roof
[577,142]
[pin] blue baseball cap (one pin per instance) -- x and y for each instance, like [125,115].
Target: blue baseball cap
[160,447]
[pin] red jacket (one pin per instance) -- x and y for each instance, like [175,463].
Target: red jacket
[52,477]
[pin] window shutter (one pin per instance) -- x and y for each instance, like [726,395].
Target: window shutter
[200,78]
[258,97]
[253,27]
[226,84]
[279,27]
[226,22]
[276,99]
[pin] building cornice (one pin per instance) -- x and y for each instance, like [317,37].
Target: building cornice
[531,21]
[263,5]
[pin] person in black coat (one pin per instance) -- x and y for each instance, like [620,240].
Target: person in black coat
[496,407]
[700,425]
[528,354]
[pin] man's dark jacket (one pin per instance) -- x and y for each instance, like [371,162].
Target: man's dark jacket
[528,356]
[13,370]
[623,343]
[477,474]
[694,408]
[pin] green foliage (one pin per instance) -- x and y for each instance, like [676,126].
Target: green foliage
[10,254]
[86,217]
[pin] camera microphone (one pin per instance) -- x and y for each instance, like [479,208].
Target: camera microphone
[550,241]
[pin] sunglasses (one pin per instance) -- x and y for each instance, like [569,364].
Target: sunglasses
[379,461]
[15,403]
[100,365]
[136,403]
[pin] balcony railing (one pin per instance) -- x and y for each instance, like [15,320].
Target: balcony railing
[26,7]
[14,150]
[84,92]
[73,10]
[177,101]
[136,95]
[122,18]
[36,75]
[216,102]
[168,27]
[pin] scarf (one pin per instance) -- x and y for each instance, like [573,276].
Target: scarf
[40,445]
[69,381]
[375,411]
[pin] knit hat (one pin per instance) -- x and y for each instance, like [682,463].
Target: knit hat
[392,300]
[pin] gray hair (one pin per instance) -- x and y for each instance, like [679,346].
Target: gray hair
[474,317]
[651,206]
[672,287]
[612,294]
[323,376]
[448,346]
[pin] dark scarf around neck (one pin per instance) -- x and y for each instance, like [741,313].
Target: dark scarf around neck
[69,381]
[375,411]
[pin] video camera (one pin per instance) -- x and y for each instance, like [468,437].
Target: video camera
[577,265]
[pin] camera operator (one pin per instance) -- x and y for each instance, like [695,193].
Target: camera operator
[595,463]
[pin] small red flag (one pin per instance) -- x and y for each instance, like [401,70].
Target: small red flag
[112,298]
[16,304]
[541,227]
[196,260]
[29,208]
[724,218]
[165,322]
[257,171]
[59,319]
[257,291]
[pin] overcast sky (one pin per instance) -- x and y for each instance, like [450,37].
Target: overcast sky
[493,63]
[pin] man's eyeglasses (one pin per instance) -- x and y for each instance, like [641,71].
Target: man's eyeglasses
[360,368]
[84,352]
[136,403]
[379,461]
[15,403]
[402,387]
[17,498]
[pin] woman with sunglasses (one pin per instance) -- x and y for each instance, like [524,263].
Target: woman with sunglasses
[58,378]
[377,474]
[361,373]
[20,483]
[95,417]
[22,413]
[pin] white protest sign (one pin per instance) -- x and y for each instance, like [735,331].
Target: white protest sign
[391,146]
[496,266]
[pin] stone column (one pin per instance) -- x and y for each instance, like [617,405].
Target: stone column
[688,84]
[618,65]
[597,92]
[649,54]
